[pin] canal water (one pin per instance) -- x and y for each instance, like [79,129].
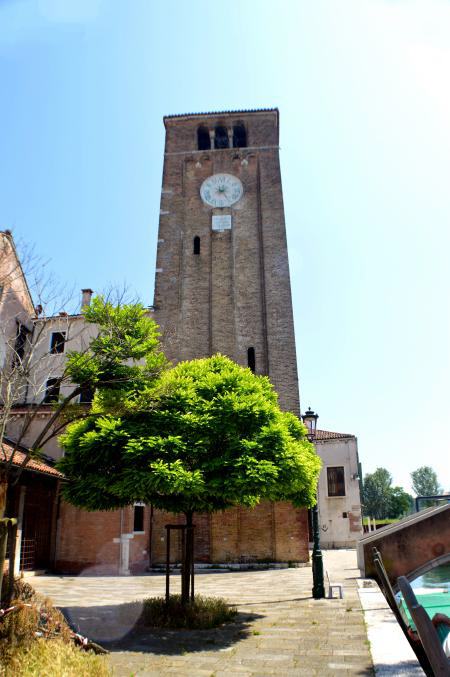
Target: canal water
[437,578]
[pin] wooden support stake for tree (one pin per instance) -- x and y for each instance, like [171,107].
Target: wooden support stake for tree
[184,570]
[191,537]
[7,526]
[167,564]
[12,536]
[3,544]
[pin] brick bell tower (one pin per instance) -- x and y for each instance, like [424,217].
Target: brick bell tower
[222,285]
[222,272]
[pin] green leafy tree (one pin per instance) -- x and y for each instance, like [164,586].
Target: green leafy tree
[425,482]
[377,493]
[381,500]
[209,435]
[122,358]
[400,502]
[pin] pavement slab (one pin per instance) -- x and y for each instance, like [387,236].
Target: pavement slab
[391,652]
[280,629]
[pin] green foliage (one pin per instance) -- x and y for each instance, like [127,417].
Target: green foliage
[425,482]
[376,493]
[203,613]
[381,500]
[400,503]
[208,435]
[53,657]
[124,356]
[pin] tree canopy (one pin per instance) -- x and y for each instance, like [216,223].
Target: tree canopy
[400,502]
[207,435]
[425,482]
[381,500]
[120,358]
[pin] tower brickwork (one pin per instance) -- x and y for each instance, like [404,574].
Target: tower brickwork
[222,271]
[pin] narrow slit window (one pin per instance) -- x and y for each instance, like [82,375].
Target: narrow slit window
[239,136]
[203,138]
[138,525]
[57,342]
[221,138]
[51,390]
[196,245]
[251,360]
[336,481]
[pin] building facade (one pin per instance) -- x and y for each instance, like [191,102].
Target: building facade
[340,518]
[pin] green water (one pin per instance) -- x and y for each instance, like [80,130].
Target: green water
[439,577]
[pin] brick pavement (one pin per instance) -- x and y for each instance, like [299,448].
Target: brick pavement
[280,629]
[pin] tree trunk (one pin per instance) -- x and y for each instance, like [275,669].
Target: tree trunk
[3,525]
[3,543]
[187,567]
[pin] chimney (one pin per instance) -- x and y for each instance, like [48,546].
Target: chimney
[86,295]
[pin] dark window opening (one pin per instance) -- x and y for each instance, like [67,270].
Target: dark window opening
[86,395]
[251,359]
[221,138]
[196,245]
[51,390]
[57,342]
[203,138]
[239,136]
[138,518]
[21,341]
[336,481]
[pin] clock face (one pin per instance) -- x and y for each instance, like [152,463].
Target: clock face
[221,190]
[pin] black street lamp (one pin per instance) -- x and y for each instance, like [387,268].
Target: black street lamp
[318,591]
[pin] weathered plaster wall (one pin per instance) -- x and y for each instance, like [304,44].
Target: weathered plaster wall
[338,530]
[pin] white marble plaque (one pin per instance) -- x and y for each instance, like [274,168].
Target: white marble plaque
[221,222]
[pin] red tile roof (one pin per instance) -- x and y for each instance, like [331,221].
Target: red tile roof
[32,464]
[327,435]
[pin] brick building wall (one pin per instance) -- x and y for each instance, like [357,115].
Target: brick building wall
[270,532]
[89,542]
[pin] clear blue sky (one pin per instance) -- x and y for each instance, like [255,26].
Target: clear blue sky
[363,92]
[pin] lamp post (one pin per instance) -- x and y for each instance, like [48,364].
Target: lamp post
[318,591]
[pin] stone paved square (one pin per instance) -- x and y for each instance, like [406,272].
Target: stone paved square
[280,629]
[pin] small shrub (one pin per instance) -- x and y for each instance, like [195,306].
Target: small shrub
[36,641]
[55,657]
[19,627]
[201,614]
